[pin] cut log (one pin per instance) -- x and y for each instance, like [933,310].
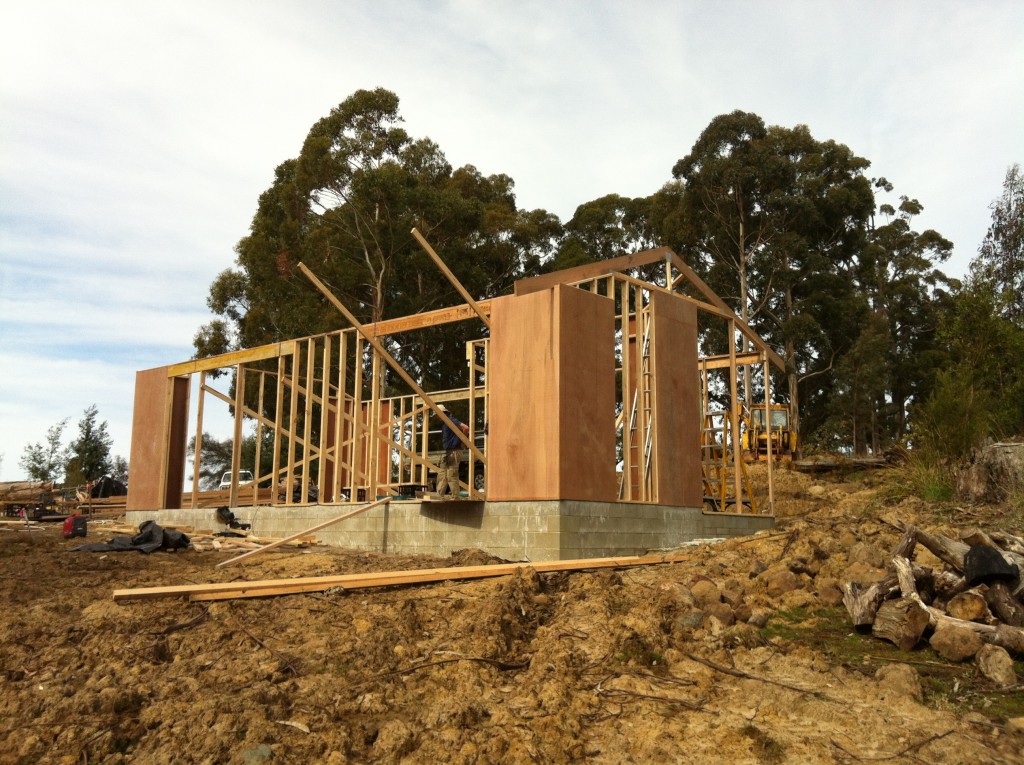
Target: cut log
[970,606]
[976,536]
[862,603]
[1008,542]
[906,545]
[1004,605]
[950,551]
[901,621]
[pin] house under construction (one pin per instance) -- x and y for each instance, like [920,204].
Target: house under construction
[590,435]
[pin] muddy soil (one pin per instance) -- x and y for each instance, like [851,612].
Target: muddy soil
[739,654]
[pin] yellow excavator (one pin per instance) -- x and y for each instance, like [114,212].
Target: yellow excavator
[754,438]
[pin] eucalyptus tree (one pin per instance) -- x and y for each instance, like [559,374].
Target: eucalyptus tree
[345,206]
[773,218]
[1000,260]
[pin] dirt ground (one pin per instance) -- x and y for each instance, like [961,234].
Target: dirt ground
[739,654]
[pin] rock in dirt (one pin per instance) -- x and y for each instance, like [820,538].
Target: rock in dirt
[864,552]
[760,617]
[995,663]
[723,613]
[864,573]
[257,755]
[706,592]
[779,581]
[394,740]
[955,643]
[829,592]
[899,680]
[1015,725]
[743,612]
[691,620]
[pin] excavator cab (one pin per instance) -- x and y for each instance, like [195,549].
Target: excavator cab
[756,429]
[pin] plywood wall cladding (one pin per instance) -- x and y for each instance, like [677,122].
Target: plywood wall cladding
[552,393]
[158,440]
[677,470]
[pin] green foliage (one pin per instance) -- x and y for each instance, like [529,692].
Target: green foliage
[1000,261]
[46,461]
[956,417]
[345,207]
[89,454]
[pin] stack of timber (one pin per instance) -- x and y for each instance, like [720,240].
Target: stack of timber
[222,497]
[975,598]
[105,507]
[25,491]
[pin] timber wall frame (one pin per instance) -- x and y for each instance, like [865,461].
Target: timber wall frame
[321,401]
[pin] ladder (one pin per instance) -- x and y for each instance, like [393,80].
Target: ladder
[718,465]
[643,409]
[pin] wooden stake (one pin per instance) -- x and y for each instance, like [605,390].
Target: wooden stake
[323,525]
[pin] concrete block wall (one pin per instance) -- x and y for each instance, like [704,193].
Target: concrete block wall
[524,530]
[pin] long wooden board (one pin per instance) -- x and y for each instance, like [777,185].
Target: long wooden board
[267,587]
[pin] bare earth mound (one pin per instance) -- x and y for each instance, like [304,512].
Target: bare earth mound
[740,654]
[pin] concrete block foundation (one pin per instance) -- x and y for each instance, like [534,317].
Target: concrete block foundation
[513,530]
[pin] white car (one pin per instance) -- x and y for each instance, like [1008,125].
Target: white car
[244,478]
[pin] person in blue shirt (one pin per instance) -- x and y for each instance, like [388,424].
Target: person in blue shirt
[448,474]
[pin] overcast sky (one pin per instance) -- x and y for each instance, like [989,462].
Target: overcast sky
[136,137]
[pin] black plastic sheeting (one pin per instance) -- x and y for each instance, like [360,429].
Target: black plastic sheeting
[151,537]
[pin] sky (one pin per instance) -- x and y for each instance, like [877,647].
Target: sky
[136,137]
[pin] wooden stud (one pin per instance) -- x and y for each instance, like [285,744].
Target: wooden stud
[236,446]
[451,277]
[278,408]
[390,360]
[199,440]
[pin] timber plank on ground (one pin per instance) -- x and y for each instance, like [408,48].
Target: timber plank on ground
[268,587]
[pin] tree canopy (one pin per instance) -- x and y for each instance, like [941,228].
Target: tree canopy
[789,229]
[346,206]
[86,458]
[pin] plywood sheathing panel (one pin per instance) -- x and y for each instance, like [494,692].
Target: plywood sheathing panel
[552,397]
[159,422]
[677,432]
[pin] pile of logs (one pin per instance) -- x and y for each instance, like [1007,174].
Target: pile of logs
[978,591]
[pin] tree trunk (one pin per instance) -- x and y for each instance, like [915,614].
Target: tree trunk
[744,312]
[1004,605]
[951,551]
